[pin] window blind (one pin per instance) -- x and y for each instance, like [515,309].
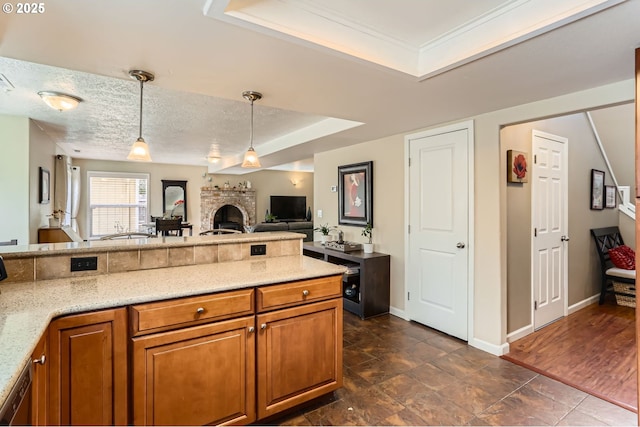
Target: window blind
[117,202]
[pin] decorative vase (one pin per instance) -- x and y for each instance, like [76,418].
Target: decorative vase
[324,238]
[309,214]
[368,248]
[54,222]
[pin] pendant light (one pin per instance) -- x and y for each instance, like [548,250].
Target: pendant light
[251,157]
[140,149]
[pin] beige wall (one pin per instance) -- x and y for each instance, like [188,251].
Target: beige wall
[489,303]
[388,200]
[14,179]
[42,152]
[24,148]
[617,133]
[265,183]
[583,268]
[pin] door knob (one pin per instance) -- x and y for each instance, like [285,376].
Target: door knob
[564,238]
[460,245]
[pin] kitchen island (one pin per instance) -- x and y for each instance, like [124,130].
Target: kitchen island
[27,308]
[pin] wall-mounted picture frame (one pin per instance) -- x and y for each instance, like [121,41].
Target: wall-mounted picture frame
[597,189]
[517,162]
[610,196]
[45,186]
[355,194]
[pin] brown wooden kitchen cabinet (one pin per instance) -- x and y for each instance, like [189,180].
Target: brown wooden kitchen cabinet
[40,382]
[88,369]
[196,376]
[299,354]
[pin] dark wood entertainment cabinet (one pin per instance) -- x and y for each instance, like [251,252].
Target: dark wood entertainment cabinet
[365,287]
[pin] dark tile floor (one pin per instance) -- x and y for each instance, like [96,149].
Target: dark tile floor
[402,373]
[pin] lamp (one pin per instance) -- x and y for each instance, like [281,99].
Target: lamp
[60,101]
[251,157]
[140,149]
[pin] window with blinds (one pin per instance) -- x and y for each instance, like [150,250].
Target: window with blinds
[117,202]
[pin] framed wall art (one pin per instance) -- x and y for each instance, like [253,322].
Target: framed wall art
[45,185]
[517,166]
[610,196]
[597,189]
[355,194]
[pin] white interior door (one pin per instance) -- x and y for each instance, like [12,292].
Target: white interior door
[438,272]
[549,222]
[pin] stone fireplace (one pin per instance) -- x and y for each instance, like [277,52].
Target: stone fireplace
[220,207]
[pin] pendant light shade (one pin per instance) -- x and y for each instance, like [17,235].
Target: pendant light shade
[251,157]
[140,150]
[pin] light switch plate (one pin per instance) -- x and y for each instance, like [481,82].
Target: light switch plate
[319,213]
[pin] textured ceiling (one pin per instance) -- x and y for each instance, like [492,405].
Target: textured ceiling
[178,126]
[315,99]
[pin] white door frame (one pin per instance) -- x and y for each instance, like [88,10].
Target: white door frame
[468,125]
[565,225]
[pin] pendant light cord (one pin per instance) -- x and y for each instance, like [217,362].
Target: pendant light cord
[251,126]
[141,90]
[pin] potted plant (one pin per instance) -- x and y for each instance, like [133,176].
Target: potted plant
[270,217]
[324,232]
[366,232]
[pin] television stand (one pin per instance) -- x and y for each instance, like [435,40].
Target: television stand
[365,285]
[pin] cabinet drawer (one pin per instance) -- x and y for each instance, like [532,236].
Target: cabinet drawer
[164,315]
[294,293]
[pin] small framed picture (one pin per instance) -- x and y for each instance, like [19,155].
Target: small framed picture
[610,196]
[45,187]
[597,189]
[517,166]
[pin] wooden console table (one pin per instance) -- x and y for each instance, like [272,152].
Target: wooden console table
[365,287]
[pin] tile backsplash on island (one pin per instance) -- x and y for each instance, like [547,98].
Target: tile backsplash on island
[53,261]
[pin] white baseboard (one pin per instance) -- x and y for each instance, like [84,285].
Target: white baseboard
[398,313]
[520,333]
[496,350]
[584,303]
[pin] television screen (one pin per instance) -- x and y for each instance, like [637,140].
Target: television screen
[289,207]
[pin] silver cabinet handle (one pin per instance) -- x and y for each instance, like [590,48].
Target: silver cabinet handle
[40,361]
[263,326]
[460,245]
[305,293]
[200,310]
[251,329]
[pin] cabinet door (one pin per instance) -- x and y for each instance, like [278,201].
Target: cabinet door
[299,355]
[40,382]
[88,370]
[196,376]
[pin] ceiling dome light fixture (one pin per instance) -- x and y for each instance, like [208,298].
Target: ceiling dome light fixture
[251,157]
[140,150]
[214,154]
[60,101]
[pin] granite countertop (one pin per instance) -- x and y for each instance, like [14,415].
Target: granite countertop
[26,309]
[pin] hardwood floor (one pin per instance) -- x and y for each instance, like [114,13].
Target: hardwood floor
[593,350]
[403,373]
